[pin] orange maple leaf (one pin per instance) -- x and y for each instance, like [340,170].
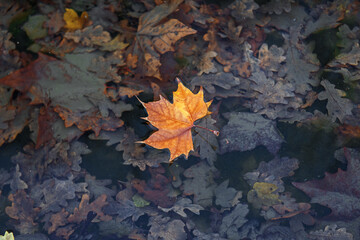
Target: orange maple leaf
[175,120]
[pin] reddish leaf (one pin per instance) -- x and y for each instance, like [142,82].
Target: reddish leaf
[339,191]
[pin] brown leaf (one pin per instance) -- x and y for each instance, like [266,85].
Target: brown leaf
[154,38]
[84,208]
[22,209]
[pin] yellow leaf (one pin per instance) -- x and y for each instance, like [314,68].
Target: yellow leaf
[73,21]
[175,120]
[7,236]
[263,194]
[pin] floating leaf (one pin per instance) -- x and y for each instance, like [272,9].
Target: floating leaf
[175,120]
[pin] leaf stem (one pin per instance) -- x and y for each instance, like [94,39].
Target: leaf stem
[216,133]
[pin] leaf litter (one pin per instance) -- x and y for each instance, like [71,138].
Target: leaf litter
[77,76]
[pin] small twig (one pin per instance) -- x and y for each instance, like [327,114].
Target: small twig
[216,133]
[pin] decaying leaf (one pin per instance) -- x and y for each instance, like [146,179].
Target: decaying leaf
[338,191]
[242,9]
[84,208]
[331,232]
[181,205]
[233,221]
[73,21]
[277,6]
[200,183]
[7,236]
[337,106]
[245,131]
[88,108]
[154,38]
[22,209]
[175,120]
[226,197]
[165,228]
[263,194]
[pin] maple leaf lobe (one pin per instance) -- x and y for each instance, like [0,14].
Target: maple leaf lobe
[175,120]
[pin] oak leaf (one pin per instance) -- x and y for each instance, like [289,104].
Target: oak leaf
[175,120]
[73,21]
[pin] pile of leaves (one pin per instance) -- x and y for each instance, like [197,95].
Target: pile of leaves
[78,71]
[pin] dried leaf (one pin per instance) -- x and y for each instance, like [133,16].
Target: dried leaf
[206,65]
[175,120]
[90,36]
[245,131]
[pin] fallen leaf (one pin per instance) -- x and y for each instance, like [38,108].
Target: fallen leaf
[154,38]
[166,228]
[226,197]
[200,183]
[88,108]
[73,21]
[331,232]
[263,194]
[181,205]
[245,131]
[175,120]
[7,236]
[338,191]
[22,209]
[337,106]
[277,6]
[84,208]
[233,221]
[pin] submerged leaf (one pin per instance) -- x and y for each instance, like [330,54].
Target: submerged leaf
[245,131]
[338,191]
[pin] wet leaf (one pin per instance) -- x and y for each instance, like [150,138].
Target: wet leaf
[154,38]
[263,194]
[338,191]
[98,187]
[90,36]
[245,131]
[7,236]
[22,209]
[181,205]
[88,108]
[233,221]
[200,183]
[34,27]
[331,232]
[73,21]
[277,6]
[164,228]
[226,197]
[242,9]
[350,58]
[84,208]
[337,106]
[175,120]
